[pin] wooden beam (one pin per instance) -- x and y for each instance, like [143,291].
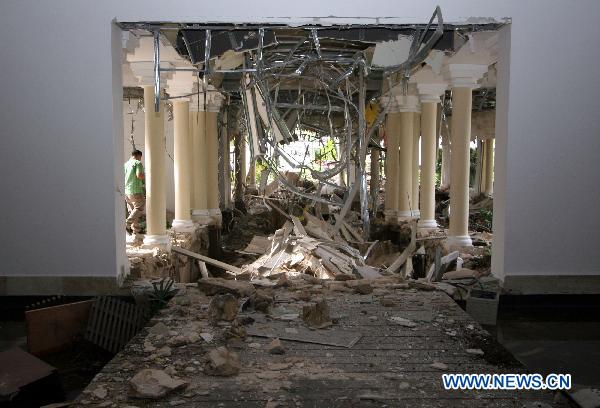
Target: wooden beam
[208,260]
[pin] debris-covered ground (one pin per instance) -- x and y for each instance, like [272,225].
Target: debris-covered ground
[306,342]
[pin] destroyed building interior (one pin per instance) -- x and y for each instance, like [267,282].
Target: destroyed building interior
[328,221]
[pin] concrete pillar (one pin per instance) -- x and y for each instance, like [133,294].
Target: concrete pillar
[182,165]
[156,199]
[392,131]
[463,78]
[488,184]
[251,172]
[445,165]
[415,164]
[214,100]
[430,98]
[479,170]
[199,202]
[375,177]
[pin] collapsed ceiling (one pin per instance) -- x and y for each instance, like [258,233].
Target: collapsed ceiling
[317,78]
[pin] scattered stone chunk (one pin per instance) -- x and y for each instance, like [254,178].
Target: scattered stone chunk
[461,274]
[475,352]
[282,282]
[402,321]
[360,286]
[223,362]
[154,384]
[100,392]
[223,307]
[261,301]
[387,302]
[214,286]
[159,328]
[344,277]
[439,366]
[275,347]
[317,316]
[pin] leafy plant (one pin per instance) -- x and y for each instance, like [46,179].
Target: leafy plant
[163,292]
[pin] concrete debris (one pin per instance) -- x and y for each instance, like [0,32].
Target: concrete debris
[436,272]
[159,328]
[214,286]
[439,366]
[461,274]
[153,384]
[402,321]
[275,347]
[360,286]
[475,352]
[100,392]
[586,397]
[261,301]
[316,316]
[223,362]
[314,248]
[223,307]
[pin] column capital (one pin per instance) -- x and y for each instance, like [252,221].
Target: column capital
[144,72]
[401,103]
[431,92]
[181,83]
[464,75]
[214,100]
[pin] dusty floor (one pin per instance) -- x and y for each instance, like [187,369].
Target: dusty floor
[389,362]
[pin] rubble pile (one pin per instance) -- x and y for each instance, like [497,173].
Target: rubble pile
[313,248]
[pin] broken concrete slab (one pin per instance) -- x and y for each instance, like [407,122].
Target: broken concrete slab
[153,384]
[214,286]
[275,347]
[461,274]
[223,307]
[317,315]
[223,362]
[360,286]
[261,300]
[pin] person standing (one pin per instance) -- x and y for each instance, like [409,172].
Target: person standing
[134,191]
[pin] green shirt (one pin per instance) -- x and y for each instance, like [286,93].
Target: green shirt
[133,185]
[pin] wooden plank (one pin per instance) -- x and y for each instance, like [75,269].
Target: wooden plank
[203,269]
[408,251]
[332,337]
[54,328]
[206,259]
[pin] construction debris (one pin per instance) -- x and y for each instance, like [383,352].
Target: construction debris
[153,384]
[317,315]
[223,307]
[214,286]
[223,362]
[275,347]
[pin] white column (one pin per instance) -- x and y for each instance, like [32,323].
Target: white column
[214,100]
[198,148]
[392,156]
[179,86]
[408,105]
[445,181]
[463,79]
[415,165]
[430,98]
[156,197]
[182,165]
[488,149]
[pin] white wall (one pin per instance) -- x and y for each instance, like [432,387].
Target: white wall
[58,161]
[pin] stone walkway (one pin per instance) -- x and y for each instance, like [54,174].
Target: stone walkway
[402,340]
